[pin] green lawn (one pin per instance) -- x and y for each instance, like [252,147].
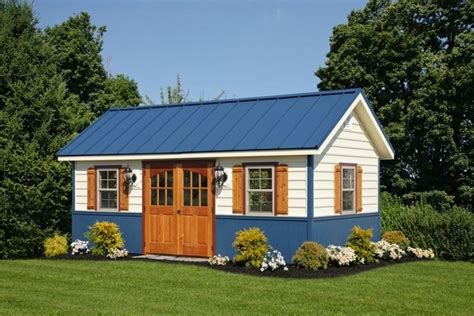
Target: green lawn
[129,287]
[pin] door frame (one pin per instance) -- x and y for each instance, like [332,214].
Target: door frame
[213,197]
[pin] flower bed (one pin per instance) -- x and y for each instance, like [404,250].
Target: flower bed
[297,272]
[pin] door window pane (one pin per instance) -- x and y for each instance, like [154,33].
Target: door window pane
[187,178]
[154,197]
[187,197]
[161,180]
[153,181]
[161,197]
[169,179]
[169,195]
[204,197]
[203,181]
[195,180]
[195,197]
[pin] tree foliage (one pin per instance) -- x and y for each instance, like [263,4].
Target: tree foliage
[415,60]
[77,44]
[176,94]
[40,110]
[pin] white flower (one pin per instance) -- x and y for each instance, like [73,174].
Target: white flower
[343,256]
[218,260]
[273,260]
[421,253]
[117,253]
[385,250]
[79,247]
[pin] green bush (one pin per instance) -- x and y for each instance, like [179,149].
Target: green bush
[396,237]
[55,245]
[251,245]
[450,234]
[311,256]
[360,241]
[106,237]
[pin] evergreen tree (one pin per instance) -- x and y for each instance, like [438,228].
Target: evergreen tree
[415,60]
[37,116]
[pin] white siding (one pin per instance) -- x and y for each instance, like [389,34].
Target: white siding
[135,198]
[296,183]
[351,145]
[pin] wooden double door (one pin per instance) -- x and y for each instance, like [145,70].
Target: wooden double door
[178,208]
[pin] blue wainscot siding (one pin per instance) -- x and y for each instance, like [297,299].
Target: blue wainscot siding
[287,233]
[284,233]
[333,230]
[130,225]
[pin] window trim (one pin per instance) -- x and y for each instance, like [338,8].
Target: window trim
[353,167]
[248,167]
[98,189]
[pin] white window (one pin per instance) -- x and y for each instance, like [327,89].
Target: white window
[348,188]
[107,189]
[259,189]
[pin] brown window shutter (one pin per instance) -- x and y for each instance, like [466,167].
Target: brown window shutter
[123,191]
[91,189]
[238,190]
[281,190]
[337,189]
[359,189]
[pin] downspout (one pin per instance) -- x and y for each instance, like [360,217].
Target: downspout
[309,196]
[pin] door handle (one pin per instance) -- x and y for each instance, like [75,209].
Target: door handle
[178,211]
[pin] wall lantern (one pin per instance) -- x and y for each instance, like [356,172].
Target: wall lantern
[220,175]
[130,177]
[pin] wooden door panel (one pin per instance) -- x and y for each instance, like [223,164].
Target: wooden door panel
[196,214]
[160,209]
[178,204]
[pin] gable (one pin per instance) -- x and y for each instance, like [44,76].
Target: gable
[368,122]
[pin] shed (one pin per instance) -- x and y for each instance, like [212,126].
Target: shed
[182,179]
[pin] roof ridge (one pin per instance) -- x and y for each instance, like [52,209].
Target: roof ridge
[246,99]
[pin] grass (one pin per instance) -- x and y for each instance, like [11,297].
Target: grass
[136,287]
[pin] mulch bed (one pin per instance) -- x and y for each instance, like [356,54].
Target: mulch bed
[293,271]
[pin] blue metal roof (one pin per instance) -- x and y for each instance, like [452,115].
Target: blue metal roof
[297,121]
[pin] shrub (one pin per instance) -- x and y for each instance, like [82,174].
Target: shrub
[343,256]
[251,246]
[448,234]
[117,253]
[106,237]
[359,240]
[55,245]
[311,256]
[421,253]
[273,260]
[386,250]
[79,247]
[218,260]
[396,237]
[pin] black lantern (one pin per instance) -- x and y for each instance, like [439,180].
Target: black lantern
[130,177]
[220,175]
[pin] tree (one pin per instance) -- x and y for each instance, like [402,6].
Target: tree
[78,45]
[415,61]
[176,94]
[118,91]
[38,115]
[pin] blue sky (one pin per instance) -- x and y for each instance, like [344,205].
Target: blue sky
[246,48]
